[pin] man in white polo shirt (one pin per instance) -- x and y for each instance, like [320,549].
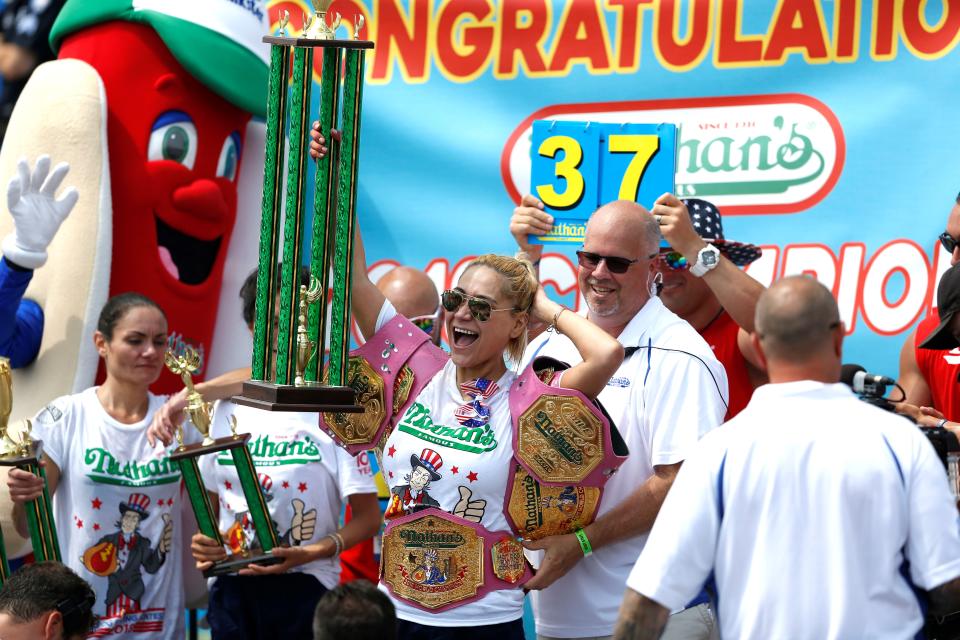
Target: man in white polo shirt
[817,514]
[669,391]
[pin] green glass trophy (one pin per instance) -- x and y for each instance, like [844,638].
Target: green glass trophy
[25,453]
[292,380]
[186,456]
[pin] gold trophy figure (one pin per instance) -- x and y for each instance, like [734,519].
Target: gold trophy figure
[315,27]
[306,348]
[184,363]
[26,453]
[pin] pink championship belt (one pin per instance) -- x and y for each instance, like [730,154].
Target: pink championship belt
[436,561]
[386,373]
[565,449]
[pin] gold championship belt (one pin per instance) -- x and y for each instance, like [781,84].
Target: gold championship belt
[385,374]
[537,511]
[565,448]
[437,561]
[360,428]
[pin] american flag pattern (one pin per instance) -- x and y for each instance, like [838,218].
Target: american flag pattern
[475,413]
[709,226]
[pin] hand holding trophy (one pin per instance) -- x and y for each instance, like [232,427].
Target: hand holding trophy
[184,363]
[25,453]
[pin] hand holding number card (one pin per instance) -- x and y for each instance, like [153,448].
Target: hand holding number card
[577,166]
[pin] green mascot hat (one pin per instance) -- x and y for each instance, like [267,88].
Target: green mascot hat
[217,41]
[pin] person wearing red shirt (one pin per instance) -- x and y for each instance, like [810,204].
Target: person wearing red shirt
[937,354]
[703,285]
[929,375]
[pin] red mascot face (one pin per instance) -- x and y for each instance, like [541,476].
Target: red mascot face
[175,151]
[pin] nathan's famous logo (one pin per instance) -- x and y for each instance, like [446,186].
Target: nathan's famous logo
[271,453]
[433,539]
[417,422]
[747,154]
[104,468]
[545,425]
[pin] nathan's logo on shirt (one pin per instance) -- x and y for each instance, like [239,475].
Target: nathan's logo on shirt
[417,422]
[272,453]
[105,469]
[619,381]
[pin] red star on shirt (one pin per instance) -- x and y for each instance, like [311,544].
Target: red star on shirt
[472,476]
[302,487]
[228,485]
[455,470]
[392,450]
[96,503]
[96,527]
[285,485]
[79,524]
[390,473]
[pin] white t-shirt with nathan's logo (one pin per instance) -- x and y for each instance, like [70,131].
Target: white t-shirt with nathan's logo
[306,480]
[470,460]
[116,496]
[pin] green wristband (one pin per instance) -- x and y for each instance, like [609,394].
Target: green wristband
[584,542]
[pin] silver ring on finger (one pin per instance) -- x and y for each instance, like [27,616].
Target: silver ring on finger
[659,218]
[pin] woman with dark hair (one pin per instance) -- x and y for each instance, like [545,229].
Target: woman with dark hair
[115,497]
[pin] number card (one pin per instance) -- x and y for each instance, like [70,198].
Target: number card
[577,166]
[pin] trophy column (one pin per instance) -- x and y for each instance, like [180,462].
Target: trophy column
[291,380]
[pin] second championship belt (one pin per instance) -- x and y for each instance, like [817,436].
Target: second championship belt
[565,449]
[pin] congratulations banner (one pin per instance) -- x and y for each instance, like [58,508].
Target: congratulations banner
[826,131]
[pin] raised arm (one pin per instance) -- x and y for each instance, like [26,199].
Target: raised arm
[736,291]
[601,353]
[365,299]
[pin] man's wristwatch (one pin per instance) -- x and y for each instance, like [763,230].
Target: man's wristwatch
[707,259]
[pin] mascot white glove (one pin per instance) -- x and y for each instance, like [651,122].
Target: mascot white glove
[37,214]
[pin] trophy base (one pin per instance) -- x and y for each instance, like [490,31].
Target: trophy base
[237,562]
[22,457]
[314,398]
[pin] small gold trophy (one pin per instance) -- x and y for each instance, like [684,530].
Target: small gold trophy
[295,380]
[26,453]
[200,413]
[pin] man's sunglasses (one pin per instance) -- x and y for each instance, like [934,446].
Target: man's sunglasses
[615,264]
[948,242]
[480,309]
[675,261]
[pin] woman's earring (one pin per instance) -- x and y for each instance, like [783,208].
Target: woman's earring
[656,286]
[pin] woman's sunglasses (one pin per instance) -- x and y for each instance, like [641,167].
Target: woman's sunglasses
[615,264]
[480,309]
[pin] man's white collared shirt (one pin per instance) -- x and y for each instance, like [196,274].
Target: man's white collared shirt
[805,507]
[669,391]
